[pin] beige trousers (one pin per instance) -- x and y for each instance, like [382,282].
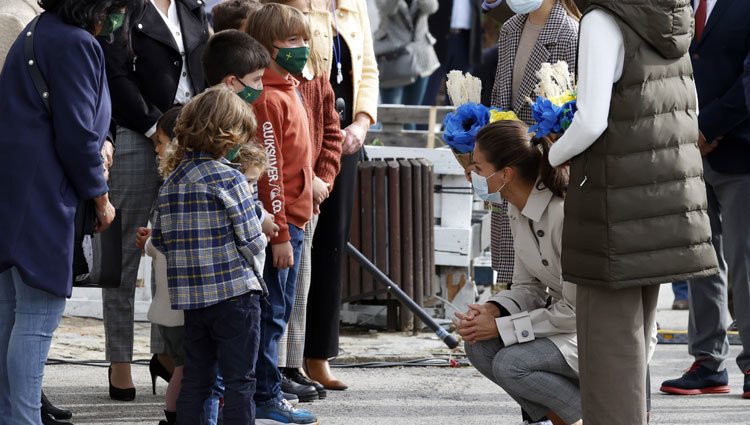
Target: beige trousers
[614,329]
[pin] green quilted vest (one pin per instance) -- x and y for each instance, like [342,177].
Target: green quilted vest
[635,213]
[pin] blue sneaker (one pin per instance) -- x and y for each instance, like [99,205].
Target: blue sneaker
[283,413]
[698,380]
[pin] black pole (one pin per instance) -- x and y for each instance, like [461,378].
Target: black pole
[447,338]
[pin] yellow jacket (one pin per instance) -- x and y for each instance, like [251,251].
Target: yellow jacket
[354,28]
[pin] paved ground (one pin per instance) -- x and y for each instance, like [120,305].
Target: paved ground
[392,396]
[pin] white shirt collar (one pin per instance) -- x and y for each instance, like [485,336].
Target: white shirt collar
[171,17]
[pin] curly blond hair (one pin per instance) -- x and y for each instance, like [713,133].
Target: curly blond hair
[213,122]
[252,156]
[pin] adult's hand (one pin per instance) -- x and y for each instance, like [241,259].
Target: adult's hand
[467,172]
[355,134]
[108,152]
[320,190]
[105,213]
[478,324]
[283,255]
[706,147]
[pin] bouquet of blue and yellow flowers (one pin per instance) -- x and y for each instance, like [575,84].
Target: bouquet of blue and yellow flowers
[555,105]
[460,128]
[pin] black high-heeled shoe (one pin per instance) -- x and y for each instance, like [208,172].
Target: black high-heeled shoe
[171,418]
[51,409]
[157,369]
[119,394]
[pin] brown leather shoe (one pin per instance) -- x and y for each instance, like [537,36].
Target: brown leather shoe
[319,370]
[680,305]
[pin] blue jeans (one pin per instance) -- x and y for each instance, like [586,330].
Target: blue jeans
[212,405]
[680,290]
[224,335]
[28,317]
[274,316]
[405,95]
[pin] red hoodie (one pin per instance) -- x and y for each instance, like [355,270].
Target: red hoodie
[284,133]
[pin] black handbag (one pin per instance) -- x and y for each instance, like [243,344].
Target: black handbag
[97,257]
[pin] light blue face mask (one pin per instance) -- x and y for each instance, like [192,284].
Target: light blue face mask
[524,7]
[481,188]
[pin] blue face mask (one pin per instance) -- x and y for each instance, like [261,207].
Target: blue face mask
[524,7]
[481,188]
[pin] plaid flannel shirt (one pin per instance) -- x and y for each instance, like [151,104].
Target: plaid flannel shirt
[207,226]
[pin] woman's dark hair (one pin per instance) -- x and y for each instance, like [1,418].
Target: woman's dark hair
[168,120]
[508,144]
[87,13]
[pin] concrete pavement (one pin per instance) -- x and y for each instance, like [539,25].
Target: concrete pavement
[391,396]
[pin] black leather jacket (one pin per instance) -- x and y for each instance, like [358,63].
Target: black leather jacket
[144,75]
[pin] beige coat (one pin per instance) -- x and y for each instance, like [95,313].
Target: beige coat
[537,275]
[14,16]
[354,27]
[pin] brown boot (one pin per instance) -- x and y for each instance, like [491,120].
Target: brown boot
[319,370]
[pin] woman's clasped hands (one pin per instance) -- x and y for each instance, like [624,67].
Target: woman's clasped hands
[478,324]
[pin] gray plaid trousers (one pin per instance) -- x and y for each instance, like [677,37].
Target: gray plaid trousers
[134,183]
[292,342]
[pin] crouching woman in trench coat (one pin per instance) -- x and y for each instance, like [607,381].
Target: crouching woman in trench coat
[524,339]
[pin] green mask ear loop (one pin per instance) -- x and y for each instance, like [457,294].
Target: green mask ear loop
[233,153]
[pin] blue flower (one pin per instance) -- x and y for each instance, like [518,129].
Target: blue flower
[547,116]
[569,110]
[551,118]
[460,128]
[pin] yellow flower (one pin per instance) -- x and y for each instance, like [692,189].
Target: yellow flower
[562,99]
[496,115]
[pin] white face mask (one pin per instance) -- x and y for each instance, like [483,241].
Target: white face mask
[524,7]
[481,188]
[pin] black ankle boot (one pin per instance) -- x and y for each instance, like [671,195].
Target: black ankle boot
[171,418]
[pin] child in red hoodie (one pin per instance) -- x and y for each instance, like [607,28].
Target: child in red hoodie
[327,140]
[286,190]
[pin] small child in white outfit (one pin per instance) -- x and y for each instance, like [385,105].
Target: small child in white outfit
[169,322]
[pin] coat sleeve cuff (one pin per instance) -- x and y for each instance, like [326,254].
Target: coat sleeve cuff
[508,304]
[515,329]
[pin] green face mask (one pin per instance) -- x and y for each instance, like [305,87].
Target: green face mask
[113,23]
[248,94]
[233,154]
[293,59]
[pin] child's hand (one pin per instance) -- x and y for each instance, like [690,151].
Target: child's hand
[141,236]
[320,190]
[269,228]
[283,255]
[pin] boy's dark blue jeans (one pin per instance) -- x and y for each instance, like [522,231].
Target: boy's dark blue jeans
[226,335]
[274,316]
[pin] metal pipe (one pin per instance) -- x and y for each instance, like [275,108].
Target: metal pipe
[379,276]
